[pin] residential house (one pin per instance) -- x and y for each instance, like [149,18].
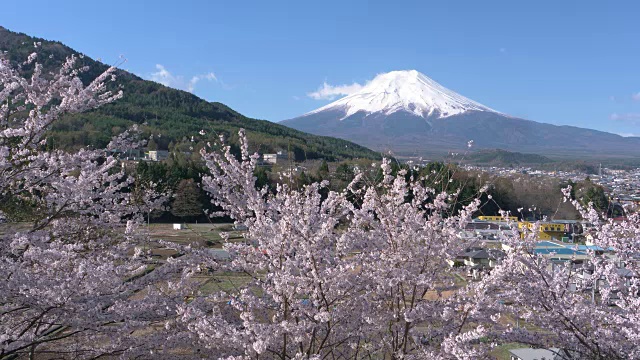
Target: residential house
[478,260]
[128,154]
[273,159]
[486,230]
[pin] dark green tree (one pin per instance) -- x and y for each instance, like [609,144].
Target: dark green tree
[323,171]
[186,203]
[262,177]
[597,196]
[344,172]
[152,145]
[303,179]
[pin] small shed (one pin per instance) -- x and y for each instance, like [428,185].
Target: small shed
[178,226]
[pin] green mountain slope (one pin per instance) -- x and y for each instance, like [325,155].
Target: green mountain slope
[172,116]
[503,157]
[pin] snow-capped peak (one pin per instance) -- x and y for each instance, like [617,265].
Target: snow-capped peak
[406,90]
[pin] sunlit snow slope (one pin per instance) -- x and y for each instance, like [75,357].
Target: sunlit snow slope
[406,90]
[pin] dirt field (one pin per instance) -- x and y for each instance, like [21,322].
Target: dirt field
[201,234]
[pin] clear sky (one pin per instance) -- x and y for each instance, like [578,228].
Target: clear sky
[561,62]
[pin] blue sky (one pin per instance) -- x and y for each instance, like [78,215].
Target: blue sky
[562,62]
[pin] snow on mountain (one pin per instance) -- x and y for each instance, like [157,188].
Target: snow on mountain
[406,90]
[400,111]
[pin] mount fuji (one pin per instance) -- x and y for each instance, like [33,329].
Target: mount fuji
[407,113]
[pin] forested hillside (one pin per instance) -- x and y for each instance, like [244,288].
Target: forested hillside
[503,157]
[172,116]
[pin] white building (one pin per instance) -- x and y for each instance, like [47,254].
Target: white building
[157,155]
[275,158]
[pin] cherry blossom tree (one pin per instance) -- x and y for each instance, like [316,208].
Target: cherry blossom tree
[73,283]
[360,273]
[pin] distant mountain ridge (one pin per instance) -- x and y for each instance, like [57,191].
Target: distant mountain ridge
[173,116]
[407,113]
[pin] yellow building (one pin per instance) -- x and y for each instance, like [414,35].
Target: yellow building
[497,218]
[546,231]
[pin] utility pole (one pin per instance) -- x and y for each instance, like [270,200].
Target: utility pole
[146,242]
